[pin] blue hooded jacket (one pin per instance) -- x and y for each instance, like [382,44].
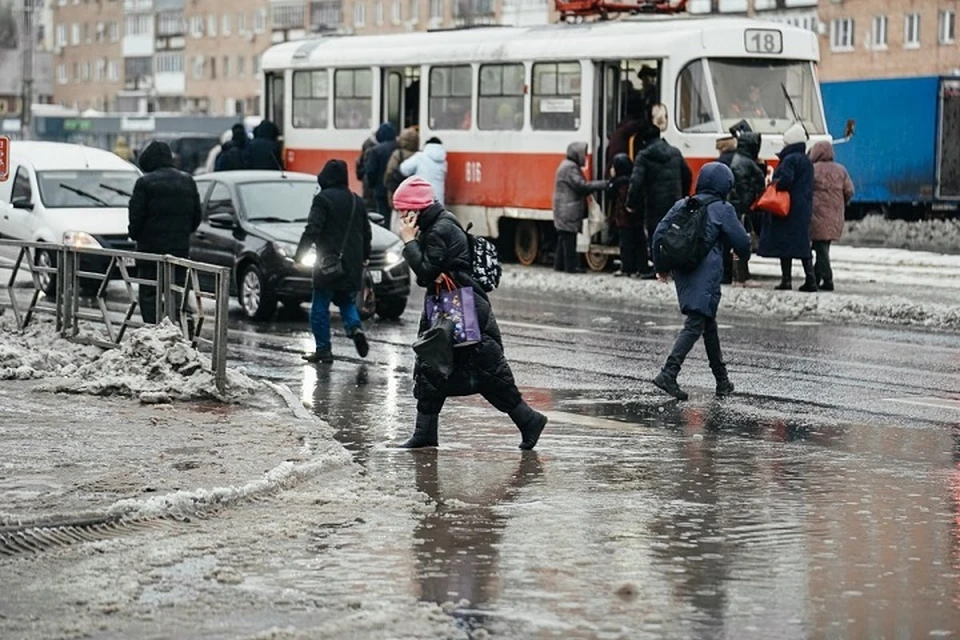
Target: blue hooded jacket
[698,291]
[376,164]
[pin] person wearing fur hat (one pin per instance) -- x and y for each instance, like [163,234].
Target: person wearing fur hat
[435,245]
[788,238]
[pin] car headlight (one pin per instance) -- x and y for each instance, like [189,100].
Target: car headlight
[285,249]
[80,239]
[394,254]
[309,258]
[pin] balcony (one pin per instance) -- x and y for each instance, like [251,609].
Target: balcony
[288,16]
[474,12]
[326,15]
[137,6]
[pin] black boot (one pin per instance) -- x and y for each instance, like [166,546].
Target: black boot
[724,387]
[360,342]
[810,280]
[667,382]
[530,423]
[323,356]
[786,280]
[425,433]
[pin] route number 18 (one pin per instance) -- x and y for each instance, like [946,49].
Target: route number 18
[763,41]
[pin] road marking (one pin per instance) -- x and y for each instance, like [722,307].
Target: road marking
[802,323]
[677,327]
[541,327]
[932,402]
[588,421]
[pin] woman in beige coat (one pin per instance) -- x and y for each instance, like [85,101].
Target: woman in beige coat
[832,191]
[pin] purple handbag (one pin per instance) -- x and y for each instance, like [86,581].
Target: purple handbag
[457,305]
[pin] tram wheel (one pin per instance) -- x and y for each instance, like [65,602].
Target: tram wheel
[596,260]
[526,242]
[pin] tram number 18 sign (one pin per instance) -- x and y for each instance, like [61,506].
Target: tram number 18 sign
[4,158]
[763,41]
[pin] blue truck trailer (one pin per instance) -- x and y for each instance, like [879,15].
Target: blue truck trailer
[905,157]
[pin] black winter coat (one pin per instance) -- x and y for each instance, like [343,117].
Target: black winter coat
[164,208]
[749,179]
[377,159]
[264,151]
[442,247]
[330,221]
[790,237]
[660,177]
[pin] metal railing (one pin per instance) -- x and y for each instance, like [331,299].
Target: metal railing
[180,296]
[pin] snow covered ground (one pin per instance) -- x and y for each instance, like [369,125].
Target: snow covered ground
[939,236]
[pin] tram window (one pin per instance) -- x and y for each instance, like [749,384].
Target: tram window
[501,97]
[353,98]
[451,97]
[694,112]
[556,96]
[311,93]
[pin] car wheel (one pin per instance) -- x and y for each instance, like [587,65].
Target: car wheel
[257,302]
[47,281]
[391,308]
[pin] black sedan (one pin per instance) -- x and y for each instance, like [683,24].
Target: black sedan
[252,222]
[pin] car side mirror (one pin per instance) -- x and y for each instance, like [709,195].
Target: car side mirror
[376,218]
[221,220]
[22,203]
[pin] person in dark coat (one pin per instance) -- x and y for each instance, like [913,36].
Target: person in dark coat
[369,199]
[624,138]
[629,223]
[436,244]
[789,238]
[164,210]
[234,155]
[698,291]
[726,147]
[570,192]
[660,177]
[375,167]
[337,221]
[265,152]
[749,181]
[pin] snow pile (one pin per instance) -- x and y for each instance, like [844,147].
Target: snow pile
[155,364]
[938,236]
[36,352]
[789,305]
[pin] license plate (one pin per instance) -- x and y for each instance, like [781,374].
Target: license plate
[129,262]
[376,276]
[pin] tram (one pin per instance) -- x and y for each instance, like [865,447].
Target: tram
[506,102]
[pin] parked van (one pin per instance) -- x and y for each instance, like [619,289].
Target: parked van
[69,194]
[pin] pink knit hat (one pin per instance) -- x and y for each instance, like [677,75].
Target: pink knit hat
[413,194]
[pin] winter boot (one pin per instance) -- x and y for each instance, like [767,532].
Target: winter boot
[786,281]
[425,433]
[322,356]
[724,387]
[810,280]
[826,286]
[360,342]
[667,383]
[786,284]
[530,423]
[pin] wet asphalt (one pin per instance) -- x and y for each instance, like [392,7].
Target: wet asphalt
[821,501]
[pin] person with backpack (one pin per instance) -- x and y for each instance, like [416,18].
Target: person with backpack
[369,199]
[375,168]
[408,144]
[234,155]
[688,245]
[435,246]
[570,192]
[660,177]
[431,165]
[265,152]
[339,228]
[832,191]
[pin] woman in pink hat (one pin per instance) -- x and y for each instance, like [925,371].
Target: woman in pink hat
[436,244]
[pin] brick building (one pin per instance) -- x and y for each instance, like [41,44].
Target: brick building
[888,38]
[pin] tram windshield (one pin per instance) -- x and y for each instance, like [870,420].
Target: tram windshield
[751,90]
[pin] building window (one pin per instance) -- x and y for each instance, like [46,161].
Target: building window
[113,71]
[241,23]
[501,97]
[311,95]
[113,31]
[436,9]
[170,23]
[76,72]
[353,98]
[359,14]
[555,102]
[841,34]
[212,25]
[86,33]
[396,12]
[85,72]
[136,68]
[415,11]
[255,64]
[378,13]
[288,16]
[451,97]
[100,70]
[137,25]
[241,66]
[911,31]
[213,67]
[327,14]
[196,26]
[947,26]
[169,62]
[101,31]
[75,34]
[198,65]
[226,66]
[879,33]
[226,27]
[260,21]
[61,35]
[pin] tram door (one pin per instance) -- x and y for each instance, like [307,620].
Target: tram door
[274,100]
[401,97]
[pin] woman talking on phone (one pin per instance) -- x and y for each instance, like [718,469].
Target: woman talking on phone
[437,246]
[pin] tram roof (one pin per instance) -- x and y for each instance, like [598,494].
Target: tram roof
[596,40]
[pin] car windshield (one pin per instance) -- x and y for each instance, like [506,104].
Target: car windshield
[756,90]
[63,189]
[277,200]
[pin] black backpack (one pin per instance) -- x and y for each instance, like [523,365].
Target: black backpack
[682,246]
[484,261]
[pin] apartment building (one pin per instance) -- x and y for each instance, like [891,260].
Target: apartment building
[799,13]
[888,38]
[87,53]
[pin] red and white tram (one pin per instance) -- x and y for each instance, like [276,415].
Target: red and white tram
[507,101]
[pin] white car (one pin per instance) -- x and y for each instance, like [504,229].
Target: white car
[69,194]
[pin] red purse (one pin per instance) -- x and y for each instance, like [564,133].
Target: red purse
[776,203]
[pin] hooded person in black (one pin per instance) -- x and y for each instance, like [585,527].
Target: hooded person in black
[337,224]
[264,150]
[235,155]
[164,210]
[629,223]
[376,166]
[749,181]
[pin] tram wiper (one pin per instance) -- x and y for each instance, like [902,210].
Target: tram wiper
[793,109]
